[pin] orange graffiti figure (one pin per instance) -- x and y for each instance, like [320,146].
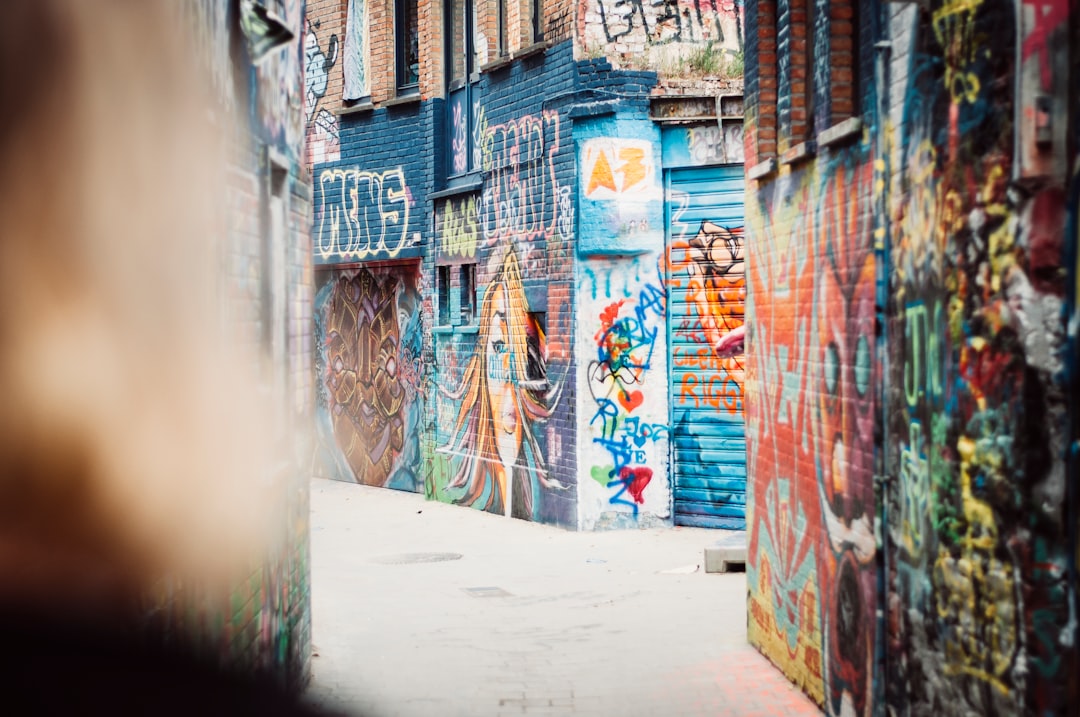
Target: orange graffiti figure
[717,284]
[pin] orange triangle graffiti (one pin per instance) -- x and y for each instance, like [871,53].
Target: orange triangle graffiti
[601,175]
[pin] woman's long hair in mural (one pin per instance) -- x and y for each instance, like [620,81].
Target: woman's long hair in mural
[504,394]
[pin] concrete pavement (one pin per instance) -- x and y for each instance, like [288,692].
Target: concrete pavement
[528,620]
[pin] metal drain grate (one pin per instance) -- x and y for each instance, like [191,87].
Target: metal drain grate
[486,592]
[406,558]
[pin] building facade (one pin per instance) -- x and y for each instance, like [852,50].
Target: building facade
[912,512]
[528,247]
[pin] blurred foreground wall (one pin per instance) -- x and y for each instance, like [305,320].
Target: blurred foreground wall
[253,58]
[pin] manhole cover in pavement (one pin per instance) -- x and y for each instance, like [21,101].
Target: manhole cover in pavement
[404,558]
[486,592]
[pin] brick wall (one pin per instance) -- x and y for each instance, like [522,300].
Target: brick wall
[513,229]
[881,262]
[979,617]
[811,402]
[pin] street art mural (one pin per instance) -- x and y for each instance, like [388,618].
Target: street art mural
[624,28]
[712,270]
[369,337]
[707,294]
[810,412]
[978,593]
[324,142]
[362,215]
[502,437]
[620,197]
[622,350]
[493,400]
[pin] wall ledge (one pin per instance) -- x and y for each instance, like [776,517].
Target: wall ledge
[460,185]
[365,106]
[839,132]
[410,99]
[762,170]
[800,152]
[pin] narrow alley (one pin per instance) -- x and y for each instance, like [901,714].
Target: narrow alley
[421,608]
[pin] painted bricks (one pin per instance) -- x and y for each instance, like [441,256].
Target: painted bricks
[964,521]
[523,250]
[963,602]
[515,234]
[810,405]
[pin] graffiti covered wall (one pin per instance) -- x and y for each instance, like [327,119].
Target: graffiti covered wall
[924,275]
[707,294]
[674,37]
[811,397]
[369,336]
[321,55]
[498,278]
[622,380]
[810,428]
[979,593]
[493,404]
[262,623]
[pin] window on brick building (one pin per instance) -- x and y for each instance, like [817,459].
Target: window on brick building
[407,41]
[535,336]
[804,78]
[355,54]
[762,81]
[461,85]
[467,286]
[811,68]
[836,97]
[536,20]
[442,294]
[795,49]
[843,38]
[502,35]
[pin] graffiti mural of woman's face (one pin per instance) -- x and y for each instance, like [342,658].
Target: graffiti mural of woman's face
[500,369]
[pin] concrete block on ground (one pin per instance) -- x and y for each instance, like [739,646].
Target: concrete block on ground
[725,553]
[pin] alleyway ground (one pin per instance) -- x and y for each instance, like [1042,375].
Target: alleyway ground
[593,625]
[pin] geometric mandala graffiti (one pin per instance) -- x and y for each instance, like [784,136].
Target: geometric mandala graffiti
[366,395]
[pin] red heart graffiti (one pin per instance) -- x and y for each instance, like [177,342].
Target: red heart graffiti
[630,401]
[635,480]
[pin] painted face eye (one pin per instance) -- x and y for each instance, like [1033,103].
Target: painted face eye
[499,347]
